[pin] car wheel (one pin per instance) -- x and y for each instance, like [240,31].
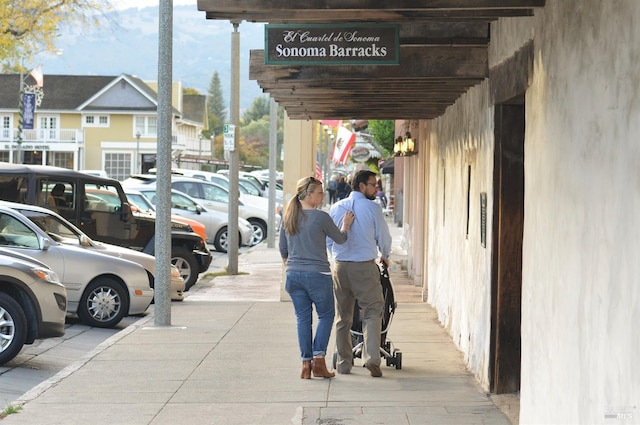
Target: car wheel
[187,264]
[13,328]
[259,232]
[103,304]
[221,241]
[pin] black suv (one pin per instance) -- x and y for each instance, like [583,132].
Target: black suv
[100,208]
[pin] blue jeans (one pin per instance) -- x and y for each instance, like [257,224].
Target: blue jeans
[306,290]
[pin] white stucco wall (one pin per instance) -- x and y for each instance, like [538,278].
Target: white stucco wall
[459,268]
[581,246]
[581,268]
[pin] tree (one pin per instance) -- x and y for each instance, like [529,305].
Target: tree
[383,132]
[30,26]
[254,134]
[215,105]
[259,110]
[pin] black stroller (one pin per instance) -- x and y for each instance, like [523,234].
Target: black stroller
[387,351]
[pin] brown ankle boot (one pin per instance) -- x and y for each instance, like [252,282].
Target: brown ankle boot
[319,368]
[306,370]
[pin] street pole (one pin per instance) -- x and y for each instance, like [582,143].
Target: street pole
[138,170]
[212,151]
[200,153]
[163,243]
[273,141]
[234,155]
[20,114]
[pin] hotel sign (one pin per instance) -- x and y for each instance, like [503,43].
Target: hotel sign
[332,44]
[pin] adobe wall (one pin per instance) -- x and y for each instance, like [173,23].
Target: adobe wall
[581,298]
[581,244]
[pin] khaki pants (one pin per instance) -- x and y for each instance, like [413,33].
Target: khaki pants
[358,281]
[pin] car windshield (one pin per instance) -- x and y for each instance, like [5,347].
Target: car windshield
[141,201]
[14,233]
[56,228]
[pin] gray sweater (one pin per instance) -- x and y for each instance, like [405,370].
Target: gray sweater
[307,250]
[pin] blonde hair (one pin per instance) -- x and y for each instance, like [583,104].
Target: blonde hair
[292,212]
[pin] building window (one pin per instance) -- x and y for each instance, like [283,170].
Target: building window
[5,129]
[147,126]
[118,165]
[96,120]
[60,159]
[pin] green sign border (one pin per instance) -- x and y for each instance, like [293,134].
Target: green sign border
[390,61]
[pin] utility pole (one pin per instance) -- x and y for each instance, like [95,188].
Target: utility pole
[234,155]
[162,308]
[273,148]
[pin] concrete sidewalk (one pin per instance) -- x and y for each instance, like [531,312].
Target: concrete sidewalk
[231,357]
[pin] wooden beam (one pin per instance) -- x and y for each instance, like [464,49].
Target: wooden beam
[416,62]
[266,5]
[336,16]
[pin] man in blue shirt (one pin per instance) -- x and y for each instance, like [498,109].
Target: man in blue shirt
[356,275]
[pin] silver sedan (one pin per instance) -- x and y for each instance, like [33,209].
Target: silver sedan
[101,289]
[215,222]
[65,232]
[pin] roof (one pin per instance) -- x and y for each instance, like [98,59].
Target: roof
[61,92]
[443,52]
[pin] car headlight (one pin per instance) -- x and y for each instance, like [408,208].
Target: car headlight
[175,273]
[46,274]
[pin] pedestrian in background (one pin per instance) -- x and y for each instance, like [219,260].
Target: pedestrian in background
[356,275]
[308,279]
[343,188]
[333,190]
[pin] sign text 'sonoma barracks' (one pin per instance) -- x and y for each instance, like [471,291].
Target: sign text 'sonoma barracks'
[331,44]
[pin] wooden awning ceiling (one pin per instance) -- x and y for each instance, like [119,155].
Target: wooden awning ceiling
[443,52]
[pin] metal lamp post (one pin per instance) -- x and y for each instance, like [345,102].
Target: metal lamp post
[138,152]
[200,152]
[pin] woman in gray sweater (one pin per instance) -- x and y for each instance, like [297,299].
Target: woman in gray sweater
[308,274]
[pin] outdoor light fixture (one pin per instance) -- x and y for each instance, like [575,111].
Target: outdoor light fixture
[397,146]
[404,146]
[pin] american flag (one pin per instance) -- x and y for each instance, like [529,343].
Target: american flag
[37,75]
[318,170]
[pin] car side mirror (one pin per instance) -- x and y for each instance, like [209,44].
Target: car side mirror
[125,211]
[45,244]
[84,240]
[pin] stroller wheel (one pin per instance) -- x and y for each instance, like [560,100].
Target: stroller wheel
[397,355]
[335,360]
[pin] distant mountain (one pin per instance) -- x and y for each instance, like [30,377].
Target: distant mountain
[130,45]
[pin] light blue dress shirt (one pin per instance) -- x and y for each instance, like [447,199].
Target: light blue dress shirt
[368,234]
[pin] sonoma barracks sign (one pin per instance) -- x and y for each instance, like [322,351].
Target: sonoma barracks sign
[330,44]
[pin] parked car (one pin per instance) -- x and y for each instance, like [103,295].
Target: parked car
[215,222]
[248,184]
[215,197]
[33,303]
[65,232]
[107,220]
[141,204]
[101,289]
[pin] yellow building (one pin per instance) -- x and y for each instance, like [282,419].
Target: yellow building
[104,123]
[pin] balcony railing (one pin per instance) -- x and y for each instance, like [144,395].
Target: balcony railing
[61,135]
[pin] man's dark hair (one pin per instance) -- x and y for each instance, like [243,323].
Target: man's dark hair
[361,176]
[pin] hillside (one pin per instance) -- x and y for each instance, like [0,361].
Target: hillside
[127,42]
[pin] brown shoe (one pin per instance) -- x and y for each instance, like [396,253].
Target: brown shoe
[306,370]
[375,370]
[319,368]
